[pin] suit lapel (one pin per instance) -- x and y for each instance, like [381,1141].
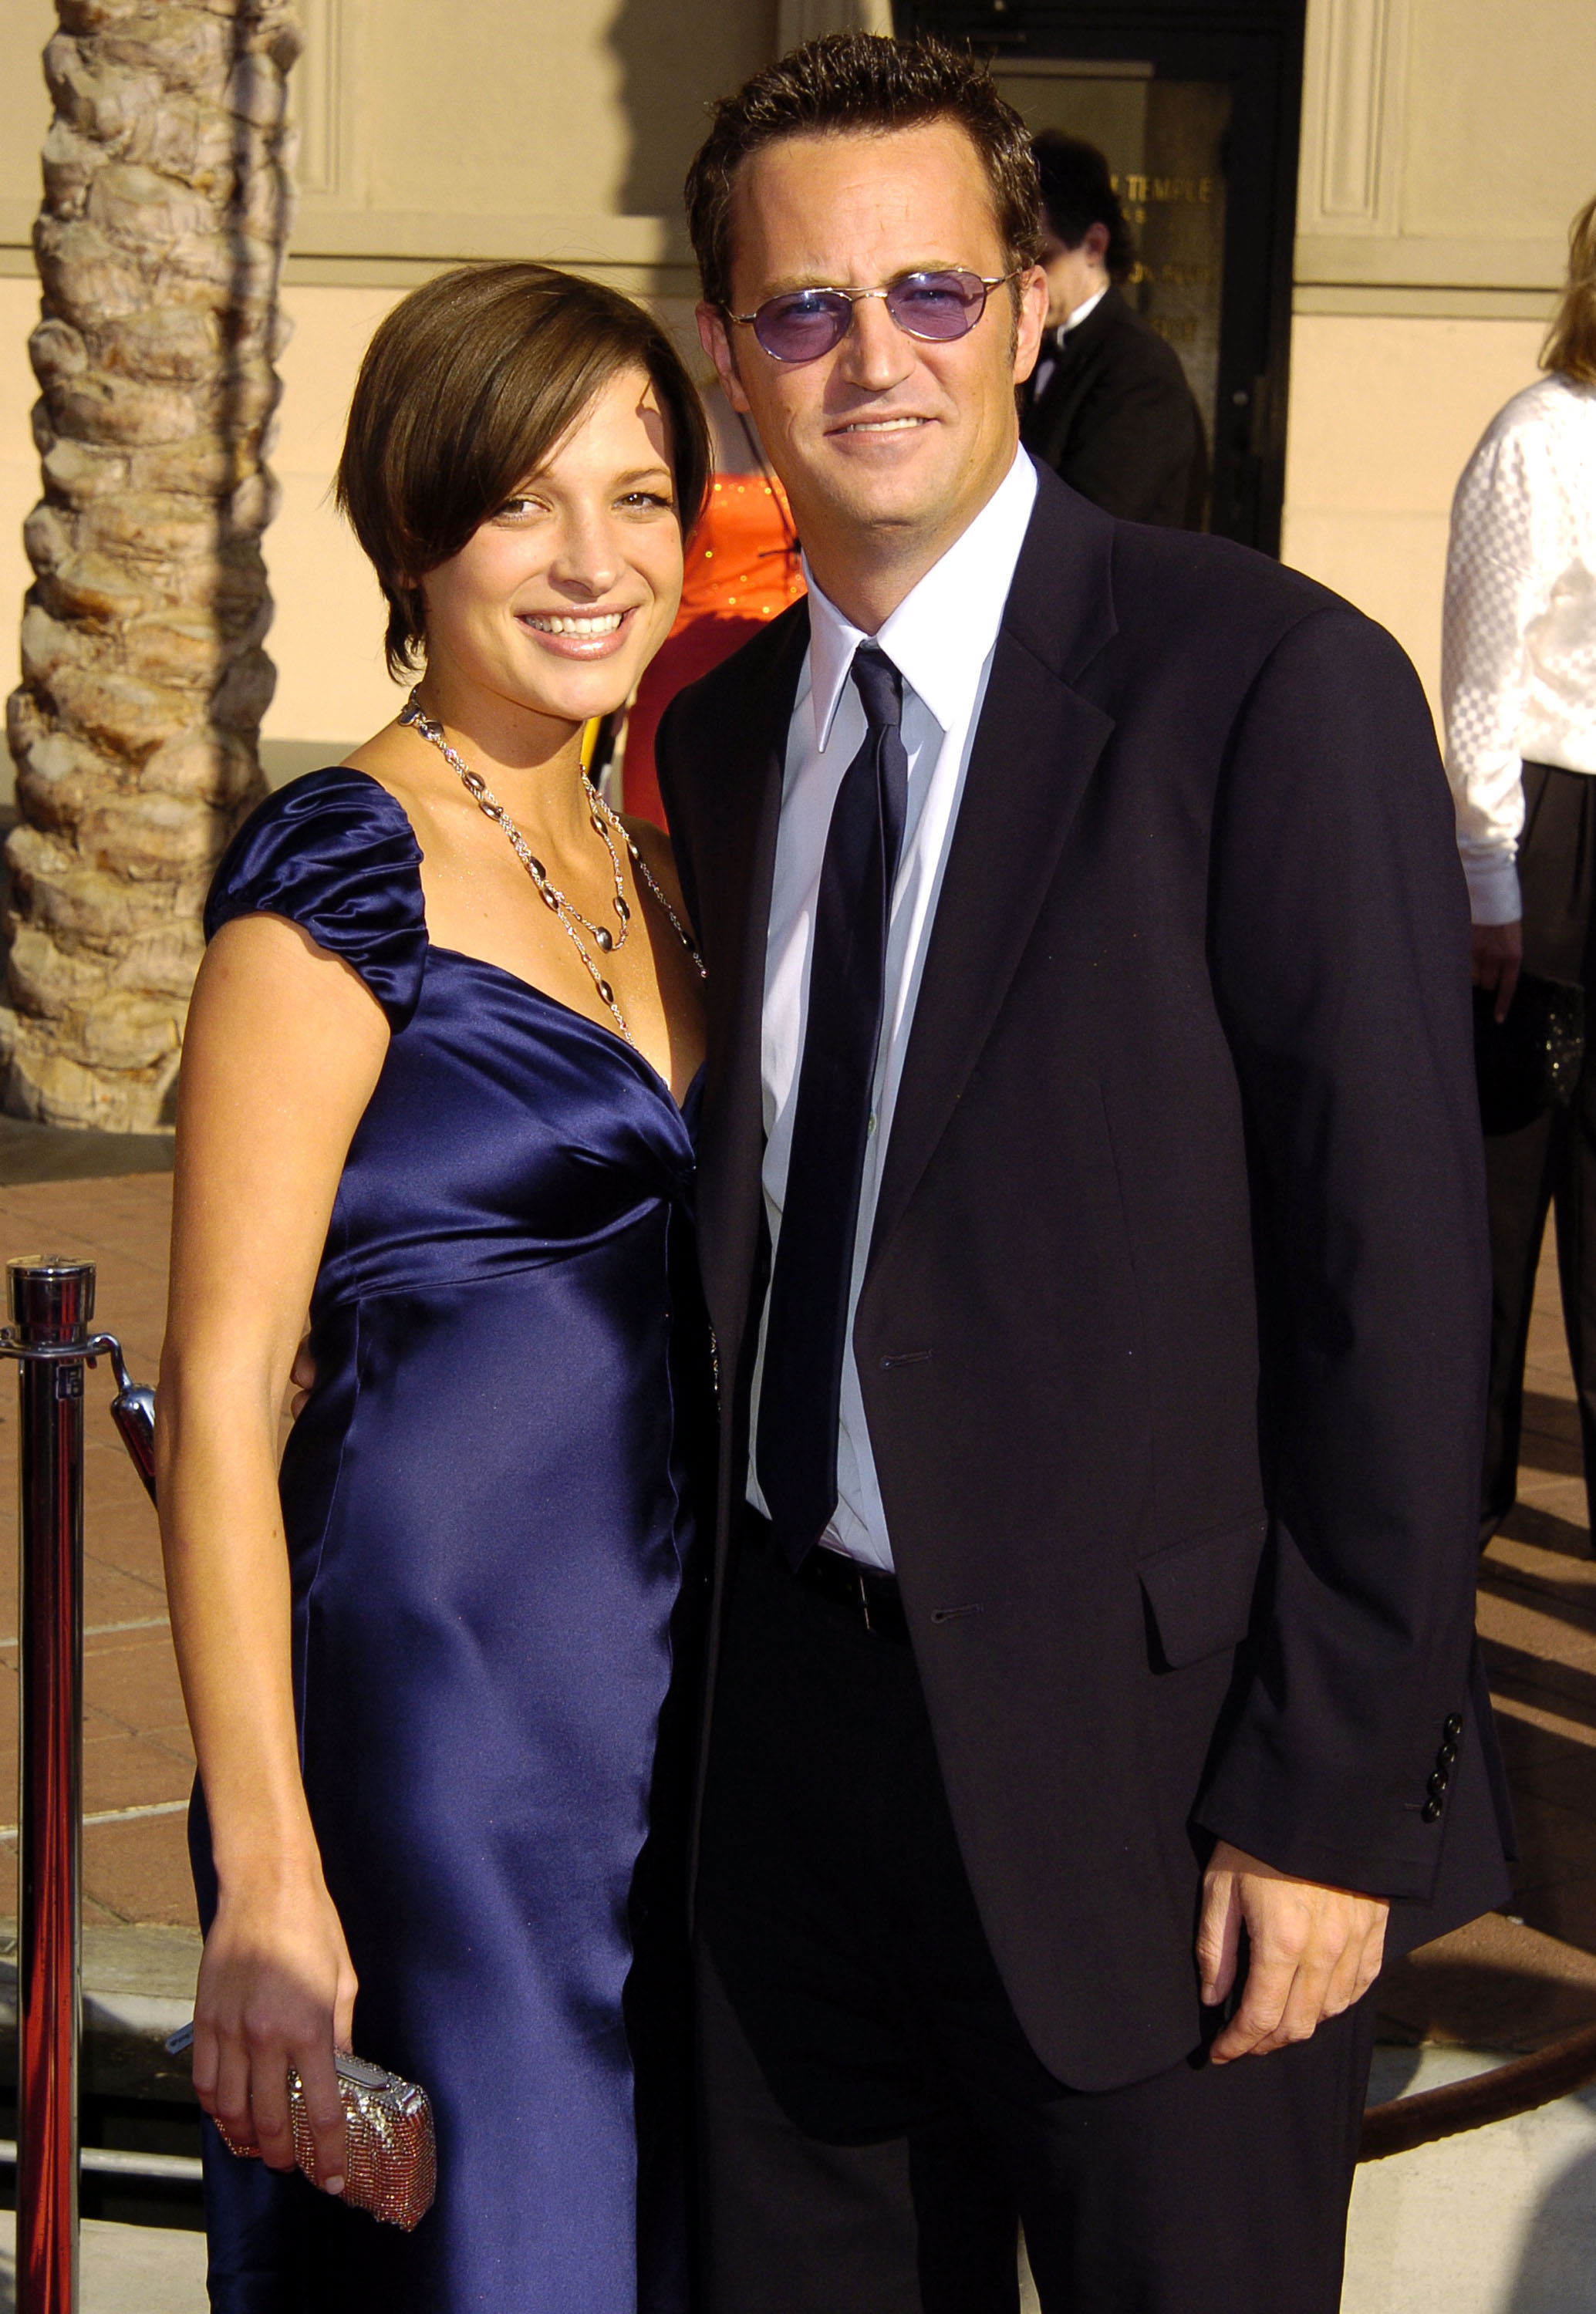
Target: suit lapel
[1036,747]
[747,805]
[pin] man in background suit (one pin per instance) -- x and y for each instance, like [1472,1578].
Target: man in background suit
[1109,407]
[1089,1210]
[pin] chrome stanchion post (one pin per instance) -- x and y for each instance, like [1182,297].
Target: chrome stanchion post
[50,1304]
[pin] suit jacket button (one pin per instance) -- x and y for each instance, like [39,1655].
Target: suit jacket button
[1437,1783]
[1453,1728]
[1430,1810]
[1446,1755]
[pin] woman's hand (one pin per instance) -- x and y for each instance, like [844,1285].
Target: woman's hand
[276,1989]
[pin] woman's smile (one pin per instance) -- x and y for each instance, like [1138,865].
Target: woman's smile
[579,634]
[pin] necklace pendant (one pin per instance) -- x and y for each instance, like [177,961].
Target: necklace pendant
[602,939]
[623,909]
[550,896]
[598,825]
[604,988]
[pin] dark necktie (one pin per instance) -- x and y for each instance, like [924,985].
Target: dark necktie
[802,1379]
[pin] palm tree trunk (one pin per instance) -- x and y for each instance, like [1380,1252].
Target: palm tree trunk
[159,245]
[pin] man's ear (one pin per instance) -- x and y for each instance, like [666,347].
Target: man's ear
[716,341]
[1095,242]
[1029,323]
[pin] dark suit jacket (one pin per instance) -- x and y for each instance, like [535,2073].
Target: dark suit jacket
[1117,421]
[1173,1335]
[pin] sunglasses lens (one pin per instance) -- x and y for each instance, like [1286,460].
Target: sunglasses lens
[937,305]
[806,323]
[803,325]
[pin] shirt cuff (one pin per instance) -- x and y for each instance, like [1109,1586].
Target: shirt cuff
[1493,896]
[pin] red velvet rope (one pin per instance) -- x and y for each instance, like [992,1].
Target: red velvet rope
[1519,2087]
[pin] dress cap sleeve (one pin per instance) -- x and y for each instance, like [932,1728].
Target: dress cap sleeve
[335,854]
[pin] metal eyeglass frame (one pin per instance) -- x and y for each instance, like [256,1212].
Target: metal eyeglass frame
[989,282]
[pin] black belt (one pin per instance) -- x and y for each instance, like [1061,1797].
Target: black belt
[870,1596]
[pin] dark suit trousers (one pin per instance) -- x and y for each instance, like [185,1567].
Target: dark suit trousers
[1551,1162]
[876,2125]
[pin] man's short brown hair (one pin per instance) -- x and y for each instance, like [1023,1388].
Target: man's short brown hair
[854,82]
[465,389]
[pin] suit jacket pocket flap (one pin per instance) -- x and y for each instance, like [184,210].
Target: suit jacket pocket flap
[1201,1593]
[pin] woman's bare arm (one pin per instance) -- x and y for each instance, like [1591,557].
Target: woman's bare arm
[282,1048]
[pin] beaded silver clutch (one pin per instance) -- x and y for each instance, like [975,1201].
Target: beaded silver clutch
[391,2167]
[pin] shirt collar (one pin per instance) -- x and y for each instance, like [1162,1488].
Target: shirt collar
[1083,311]
[942,631]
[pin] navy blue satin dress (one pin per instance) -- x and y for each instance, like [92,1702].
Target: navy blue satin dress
[489,1503]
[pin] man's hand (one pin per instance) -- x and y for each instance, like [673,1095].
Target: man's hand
[302,1377]
[1312,1951]
[1495,956]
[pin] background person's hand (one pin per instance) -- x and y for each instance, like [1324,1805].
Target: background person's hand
[1496,958]
[1311,1951]
[276,1989]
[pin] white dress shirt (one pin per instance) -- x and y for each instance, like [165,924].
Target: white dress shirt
[940,638]
[1518,674]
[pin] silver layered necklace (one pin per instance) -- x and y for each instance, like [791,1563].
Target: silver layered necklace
[605,825]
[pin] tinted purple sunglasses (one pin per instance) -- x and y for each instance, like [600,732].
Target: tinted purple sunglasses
[802,324]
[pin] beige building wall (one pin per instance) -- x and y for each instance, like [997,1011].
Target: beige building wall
[1446,144]
[428,134]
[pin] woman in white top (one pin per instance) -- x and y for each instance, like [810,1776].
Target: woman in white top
[1519,685]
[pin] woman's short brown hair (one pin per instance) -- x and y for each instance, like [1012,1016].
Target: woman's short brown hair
[1570,349]
[854,81]
[465,389]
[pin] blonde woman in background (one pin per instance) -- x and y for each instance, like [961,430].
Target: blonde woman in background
[1519,685]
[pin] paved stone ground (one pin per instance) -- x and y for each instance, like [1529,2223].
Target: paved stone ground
[124,2269]
[1517,1980]
[1502,2221]
[1538,1617]
[137,1753]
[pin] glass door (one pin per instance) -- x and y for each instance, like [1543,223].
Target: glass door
[1196,106]
[1165,142]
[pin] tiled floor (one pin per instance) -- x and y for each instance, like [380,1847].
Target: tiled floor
[1538,1617]
[1520,1979]
[125,2269]
[137,1752]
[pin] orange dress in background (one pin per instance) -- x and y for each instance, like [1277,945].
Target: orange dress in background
[742,568]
